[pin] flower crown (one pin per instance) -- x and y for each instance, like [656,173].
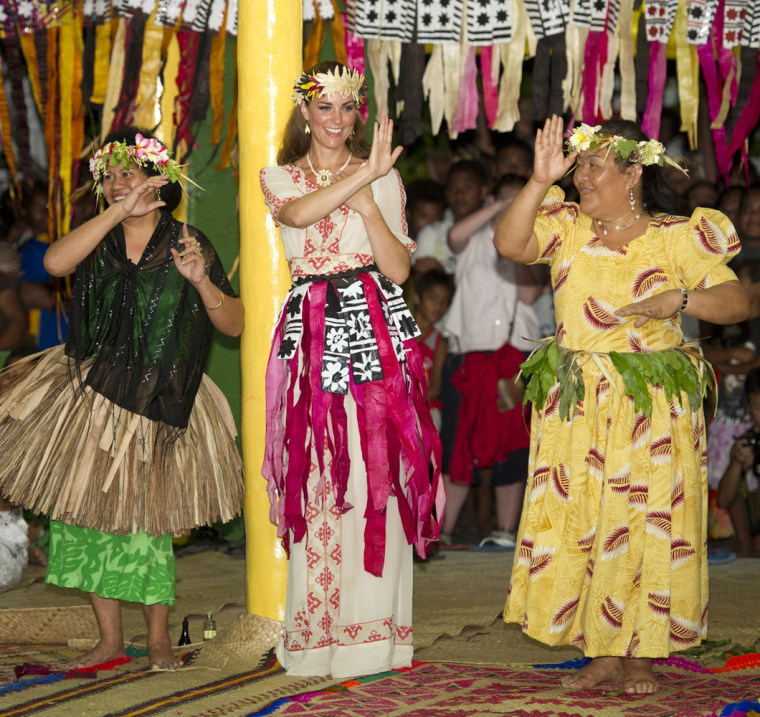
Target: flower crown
[144,151]
[639,152]
[341,81]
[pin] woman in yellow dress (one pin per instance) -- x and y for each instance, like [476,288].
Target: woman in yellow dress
[611,552]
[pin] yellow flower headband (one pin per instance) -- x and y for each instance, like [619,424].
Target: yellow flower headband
[341,81]
[586,137]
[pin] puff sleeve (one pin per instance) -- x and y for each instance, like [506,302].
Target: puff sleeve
[555,221]
[279,188]
[701,248]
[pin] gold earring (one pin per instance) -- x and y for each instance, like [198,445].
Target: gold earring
[307,129]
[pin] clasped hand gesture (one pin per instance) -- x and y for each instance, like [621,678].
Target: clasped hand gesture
[550,163]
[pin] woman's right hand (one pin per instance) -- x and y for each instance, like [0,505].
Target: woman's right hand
[143,199]
[381,158]
[549,160]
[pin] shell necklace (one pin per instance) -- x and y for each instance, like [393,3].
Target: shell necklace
[323,177]
[619,226]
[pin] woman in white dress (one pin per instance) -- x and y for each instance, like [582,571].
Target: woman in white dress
[350,441]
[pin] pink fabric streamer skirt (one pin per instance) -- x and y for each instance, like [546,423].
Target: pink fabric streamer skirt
[394,423]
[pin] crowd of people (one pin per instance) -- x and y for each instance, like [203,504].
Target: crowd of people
[520,352]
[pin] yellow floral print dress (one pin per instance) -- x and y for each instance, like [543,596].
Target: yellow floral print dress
[611,552]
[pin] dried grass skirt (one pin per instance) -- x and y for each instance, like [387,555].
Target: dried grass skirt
[72,454]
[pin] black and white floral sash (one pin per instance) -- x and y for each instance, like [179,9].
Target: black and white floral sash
[349,339]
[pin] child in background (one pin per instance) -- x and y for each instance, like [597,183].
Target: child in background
[467,187]
[432,296]
[425,204]
[738,490]
[489,325]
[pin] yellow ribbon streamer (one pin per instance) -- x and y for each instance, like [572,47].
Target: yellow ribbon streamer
[147,108]
[51,115]
[725,104]
[627,67]
[5,129]
[26,41]
[216,82]
[102,62]
[687,69]
[68,61]
[513,56]
[607,84]
[432,87]
[314,43]
[115,77]
[338,33]
[229,140]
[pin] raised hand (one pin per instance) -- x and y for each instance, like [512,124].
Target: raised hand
[549,160]
[382,157]
[145,197]
[190,262]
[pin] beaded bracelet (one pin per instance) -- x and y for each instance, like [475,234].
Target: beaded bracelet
[219,305]
[685,295]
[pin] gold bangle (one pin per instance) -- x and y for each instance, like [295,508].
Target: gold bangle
[219,305]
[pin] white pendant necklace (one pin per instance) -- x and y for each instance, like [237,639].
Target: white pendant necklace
[323,177]
[619,226]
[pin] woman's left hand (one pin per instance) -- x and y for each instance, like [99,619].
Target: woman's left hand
[190,262]
[659,306]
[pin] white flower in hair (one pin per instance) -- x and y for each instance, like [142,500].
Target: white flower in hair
[582,137]
[651,152]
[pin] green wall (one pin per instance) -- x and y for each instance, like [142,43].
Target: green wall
[214,212]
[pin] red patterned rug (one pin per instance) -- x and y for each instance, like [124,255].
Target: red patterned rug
[449,690]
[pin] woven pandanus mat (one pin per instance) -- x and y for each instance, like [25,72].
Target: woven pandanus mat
[47,625]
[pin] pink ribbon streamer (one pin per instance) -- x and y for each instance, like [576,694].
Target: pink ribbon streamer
[657,75]
[594,59]
[355,59]
[490,88]
[466,112]
[715,74]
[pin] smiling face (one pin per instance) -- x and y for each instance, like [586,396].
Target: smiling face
[331,119]
[603,188]
[118,182]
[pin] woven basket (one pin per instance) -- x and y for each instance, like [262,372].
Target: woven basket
[244,642]
[47,625]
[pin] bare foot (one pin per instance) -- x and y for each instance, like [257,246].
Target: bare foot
[161,656]
[639,678]
[600,671]
[102,652]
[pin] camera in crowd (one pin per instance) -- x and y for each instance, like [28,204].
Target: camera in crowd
[752,438]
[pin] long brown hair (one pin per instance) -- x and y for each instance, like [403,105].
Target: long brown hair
[295,141]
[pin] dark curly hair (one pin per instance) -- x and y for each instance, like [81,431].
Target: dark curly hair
[171,193]
[295,141]
[656,189]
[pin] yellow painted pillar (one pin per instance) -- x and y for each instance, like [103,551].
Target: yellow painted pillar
[269,59]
